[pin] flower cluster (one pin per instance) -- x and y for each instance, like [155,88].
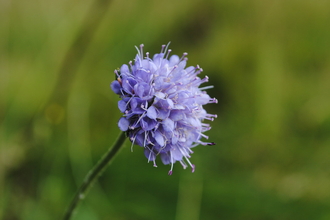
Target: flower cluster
[163,106]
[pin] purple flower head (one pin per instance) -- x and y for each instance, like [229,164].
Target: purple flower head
[162,106]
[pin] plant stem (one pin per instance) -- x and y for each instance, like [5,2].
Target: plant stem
[93,174]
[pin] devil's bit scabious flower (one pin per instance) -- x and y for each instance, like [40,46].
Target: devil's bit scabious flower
[163,106]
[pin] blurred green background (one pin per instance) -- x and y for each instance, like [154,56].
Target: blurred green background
[268,60]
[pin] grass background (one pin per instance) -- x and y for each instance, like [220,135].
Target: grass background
[268,60]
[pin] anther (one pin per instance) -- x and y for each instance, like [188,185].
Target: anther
[183,56]
[141,49]
[168,53]
[163,47]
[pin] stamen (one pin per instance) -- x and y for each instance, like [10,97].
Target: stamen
[197,81]
[187,159]
[163,47]
[122,92]
[206,87]
[174,67]
[205,79]
[129,102]
[133,126]
[211,116]
[171,170]
[117,73]
[193,70]
[183,57]
[205,125]
[168,53]
[150,157]
[193,168]
[184,151]
[213,100]
[184,165]
[191,165]
[167,47]
[145,138]
[203,135]
[130,85]
[199,70]
[133,140]
[137,50]
[141,48]
[206,128]
[205,143]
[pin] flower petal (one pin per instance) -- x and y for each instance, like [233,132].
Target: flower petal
[152,112]
[148,124]
[122,105]
[124,69]
[177,115]
[116,87]
[159,138]
[123,124]
[168,124]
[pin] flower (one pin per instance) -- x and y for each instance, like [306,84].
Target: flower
[163,106]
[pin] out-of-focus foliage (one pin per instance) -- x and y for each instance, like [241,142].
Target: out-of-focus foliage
[268,60]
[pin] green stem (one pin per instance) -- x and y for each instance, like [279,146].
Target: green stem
[92,175]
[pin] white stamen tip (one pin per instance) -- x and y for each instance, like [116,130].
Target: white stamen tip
[193,168]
